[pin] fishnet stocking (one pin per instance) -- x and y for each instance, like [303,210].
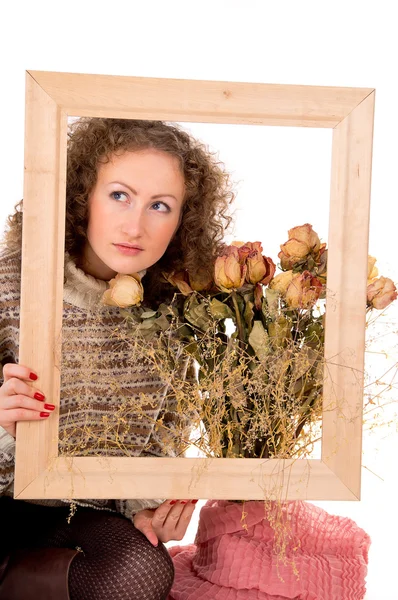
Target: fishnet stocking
[116,560]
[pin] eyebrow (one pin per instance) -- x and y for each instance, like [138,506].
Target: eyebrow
[134,192]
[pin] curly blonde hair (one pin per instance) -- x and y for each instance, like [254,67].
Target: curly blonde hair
[205,216]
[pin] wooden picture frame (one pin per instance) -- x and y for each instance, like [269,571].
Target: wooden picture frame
[50,98]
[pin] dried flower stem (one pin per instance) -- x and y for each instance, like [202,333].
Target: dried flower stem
[238,317]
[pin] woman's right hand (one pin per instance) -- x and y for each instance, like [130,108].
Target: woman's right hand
[18,400]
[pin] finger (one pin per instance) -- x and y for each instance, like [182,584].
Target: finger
[171,527]
[19,371]
[160,514]
[20,401]
[143,522]
[17,386]
[22,414]
[184,520]
[181,514]
[9,418]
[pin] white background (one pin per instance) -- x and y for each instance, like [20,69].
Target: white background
[283,173]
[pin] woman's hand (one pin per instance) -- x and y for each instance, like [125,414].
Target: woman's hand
[18,400]
[167,522]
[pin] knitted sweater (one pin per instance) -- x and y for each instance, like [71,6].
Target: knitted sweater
[101,387]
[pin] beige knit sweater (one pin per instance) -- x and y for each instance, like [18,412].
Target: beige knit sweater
[101,387]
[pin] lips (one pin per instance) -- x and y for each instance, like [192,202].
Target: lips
[129,246]
[128,249]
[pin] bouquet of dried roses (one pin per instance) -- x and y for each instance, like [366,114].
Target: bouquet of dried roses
[257,338]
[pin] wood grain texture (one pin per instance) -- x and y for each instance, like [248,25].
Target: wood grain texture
[50,98]
[346,296]
[42,272]
[229,479]
[200,101]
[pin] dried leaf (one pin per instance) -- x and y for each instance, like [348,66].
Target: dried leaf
[248,315]
[219,310]
[148,313]
[259,340]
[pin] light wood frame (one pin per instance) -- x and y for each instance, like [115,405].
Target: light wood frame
[52,97]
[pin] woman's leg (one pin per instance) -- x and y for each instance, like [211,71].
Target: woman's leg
[117,562]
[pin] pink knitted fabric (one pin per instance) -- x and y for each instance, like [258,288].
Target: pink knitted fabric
[228,562]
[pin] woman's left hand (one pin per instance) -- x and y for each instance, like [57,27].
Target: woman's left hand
[167,522]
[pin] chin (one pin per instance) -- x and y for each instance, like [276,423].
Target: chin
[129,267]
[126,265]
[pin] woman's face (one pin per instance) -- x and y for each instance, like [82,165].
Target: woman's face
[134,211]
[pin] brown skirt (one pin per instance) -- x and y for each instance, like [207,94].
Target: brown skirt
[37,574]
[29,569]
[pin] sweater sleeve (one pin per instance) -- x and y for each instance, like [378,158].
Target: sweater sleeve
[128,508]
[9,324]
[7,457]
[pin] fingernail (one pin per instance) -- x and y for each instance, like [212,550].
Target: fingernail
[39,396]
[49,406]
[194,501]
[183,501]
[173,502]
[33,377]
[43,414]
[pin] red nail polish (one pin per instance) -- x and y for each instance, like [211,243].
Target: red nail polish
[183,501]
[33,377]
[194,501]
[43,414]
[49,406]
[39,396]
[173,502]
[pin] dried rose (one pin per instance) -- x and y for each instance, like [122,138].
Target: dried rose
[124,290]
[180,280]
[381,292]
[201,281]
[244,249]
[229,270]
[321,265]
[281,282]
[302,241]
[303,291]
[372,269]
[187,283]
[260,269]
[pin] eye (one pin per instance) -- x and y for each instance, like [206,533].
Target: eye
[117,196]
[166,208]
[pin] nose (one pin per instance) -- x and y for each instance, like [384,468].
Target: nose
[133,223]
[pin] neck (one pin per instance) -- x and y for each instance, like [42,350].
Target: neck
[92,265]
[82,289]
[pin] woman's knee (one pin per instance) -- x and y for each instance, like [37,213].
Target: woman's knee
[120,562]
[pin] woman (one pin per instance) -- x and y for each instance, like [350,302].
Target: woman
[142,197]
